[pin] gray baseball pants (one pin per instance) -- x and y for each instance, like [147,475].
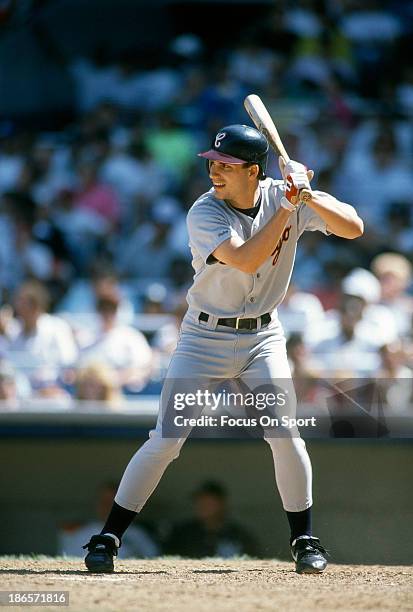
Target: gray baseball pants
[210,351]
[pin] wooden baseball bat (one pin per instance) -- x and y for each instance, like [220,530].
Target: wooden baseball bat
[264,123]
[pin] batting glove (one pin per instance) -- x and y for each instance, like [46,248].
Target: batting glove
[296,177]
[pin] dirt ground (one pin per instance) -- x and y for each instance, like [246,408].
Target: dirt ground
[211,585]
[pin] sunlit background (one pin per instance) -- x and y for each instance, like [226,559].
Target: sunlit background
[103,107]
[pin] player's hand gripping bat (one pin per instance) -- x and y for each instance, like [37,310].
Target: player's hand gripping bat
[262,119]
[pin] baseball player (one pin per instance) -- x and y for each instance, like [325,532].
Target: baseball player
[243,235]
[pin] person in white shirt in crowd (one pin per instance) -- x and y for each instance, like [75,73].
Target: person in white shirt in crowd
[376,324]
[136,543]
[346,353]
[394,272]
[43,345]
[301,311]
[122,347]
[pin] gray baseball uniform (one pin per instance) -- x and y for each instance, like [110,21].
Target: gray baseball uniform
[208,350]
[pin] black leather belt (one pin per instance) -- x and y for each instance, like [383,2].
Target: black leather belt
[238,323]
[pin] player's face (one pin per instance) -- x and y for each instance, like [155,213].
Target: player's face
[230,181]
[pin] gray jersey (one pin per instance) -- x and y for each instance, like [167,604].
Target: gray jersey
[224,291]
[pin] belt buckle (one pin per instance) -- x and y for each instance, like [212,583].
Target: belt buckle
[237,322]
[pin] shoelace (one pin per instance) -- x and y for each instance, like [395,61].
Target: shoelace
[98,542]
[315,544]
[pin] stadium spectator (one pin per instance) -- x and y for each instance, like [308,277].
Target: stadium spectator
[80,299]
[97,382]
[394,272]
[211,532]
[347,352]
[43,345]
[137,543]
[376,324]
[121,347]
[301,312]
[91,184]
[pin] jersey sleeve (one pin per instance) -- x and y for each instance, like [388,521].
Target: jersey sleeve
[207,229]
[310,221]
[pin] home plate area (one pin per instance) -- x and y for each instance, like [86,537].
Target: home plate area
[213,585]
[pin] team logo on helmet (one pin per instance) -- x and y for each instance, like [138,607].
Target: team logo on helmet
[218,139]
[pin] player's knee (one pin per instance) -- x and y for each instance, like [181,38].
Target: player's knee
[285,441]
[164,447]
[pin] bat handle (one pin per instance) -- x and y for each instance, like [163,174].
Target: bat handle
[305,196]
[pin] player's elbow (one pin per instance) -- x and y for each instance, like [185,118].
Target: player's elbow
[357,229]
[350,230]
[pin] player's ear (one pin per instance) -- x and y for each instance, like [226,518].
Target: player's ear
[253,170]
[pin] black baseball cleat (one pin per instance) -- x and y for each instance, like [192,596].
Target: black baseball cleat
[102,549]
[309,555]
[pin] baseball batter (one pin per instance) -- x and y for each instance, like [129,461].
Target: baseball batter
[243,236]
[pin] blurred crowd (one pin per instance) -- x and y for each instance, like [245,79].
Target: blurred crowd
[94,257]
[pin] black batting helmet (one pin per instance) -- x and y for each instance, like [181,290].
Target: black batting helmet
[239,144]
